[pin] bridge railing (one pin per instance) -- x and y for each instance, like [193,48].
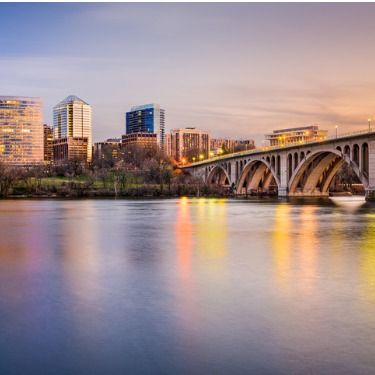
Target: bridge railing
[281,147]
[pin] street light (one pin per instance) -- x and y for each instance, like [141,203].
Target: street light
[201,156]
[336,127]
[369,123]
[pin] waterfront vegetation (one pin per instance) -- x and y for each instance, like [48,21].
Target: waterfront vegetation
[136,173]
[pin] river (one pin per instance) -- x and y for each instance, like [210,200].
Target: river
[187,286]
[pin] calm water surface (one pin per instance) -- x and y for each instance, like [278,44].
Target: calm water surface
[187,286]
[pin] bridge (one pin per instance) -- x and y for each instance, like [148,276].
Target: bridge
[303,169]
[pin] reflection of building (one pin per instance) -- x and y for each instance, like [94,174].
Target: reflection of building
[226,145]
[190,144]
[70,148]
[296,135]
[21,130]
[146,140]
[111,148]
[149,118]
[48,143]
[72,119]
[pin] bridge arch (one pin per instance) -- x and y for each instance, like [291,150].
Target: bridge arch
[257,174]
[347,150]
[365,159]
[314,175]
[218,175]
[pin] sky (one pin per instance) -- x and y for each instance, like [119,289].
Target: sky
[237,70]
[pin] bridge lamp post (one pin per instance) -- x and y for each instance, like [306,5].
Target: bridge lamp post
[201,156]
[369,123]
[336,127]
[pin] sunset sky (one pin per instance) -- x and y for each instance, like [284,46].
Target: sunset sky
[238,70]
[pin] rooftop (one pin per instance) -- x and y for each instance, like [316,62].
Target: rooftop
[309,127]
[72,98]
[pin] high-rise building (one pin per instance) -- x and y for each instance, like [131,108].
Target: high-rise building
[190,144]
[48,143]
[21,130]
[72,119]
[303,134]
[168,144]
[149,118]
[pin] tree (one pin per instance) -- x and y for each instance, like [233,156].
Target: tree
[8,177]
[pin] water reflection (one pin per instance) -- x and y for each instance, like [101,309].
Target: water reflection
[367,257]
[282,242]
[295,245]
[184,235]
[212,228]
[308,247]
[186,286]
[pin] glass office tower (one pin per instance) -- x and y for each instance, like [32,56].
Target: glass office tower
[148,118]
[21,130]
[72,119]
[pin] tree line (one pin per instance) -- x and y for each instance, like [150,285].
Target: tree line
[135,171]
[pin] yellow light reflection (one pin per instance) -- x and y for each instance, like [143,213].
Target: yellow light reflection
[367,259]
[212,228]
[282,241]
[308,247]
[184,237]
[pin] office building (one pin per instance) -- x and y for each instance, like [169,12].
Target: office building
[21,130]
[109,149]
[149,118]
[146,140]
[189,144]
[168,144]
[290,136]
[70,148]
[48,143]
[72,119]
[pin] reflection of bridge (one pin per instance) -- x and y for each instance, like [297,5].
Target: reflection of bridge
[295,170]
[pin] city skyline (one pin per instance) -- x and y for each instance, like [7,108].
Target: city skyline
[240,69]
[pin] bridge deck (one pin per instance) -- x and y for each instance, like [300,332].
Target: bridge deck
[267,149]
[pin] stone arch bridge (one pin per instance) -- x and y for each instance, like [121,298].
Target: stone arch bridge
[295,170]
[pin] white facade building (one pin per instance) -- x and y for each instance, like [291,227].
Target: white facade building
[72,119]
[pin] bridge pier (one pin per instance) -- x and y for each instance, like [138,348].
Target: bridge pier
[370,194]
[370,190]
[283,192]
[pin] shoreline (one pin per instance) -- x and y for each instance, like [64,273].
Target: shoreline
[168,197]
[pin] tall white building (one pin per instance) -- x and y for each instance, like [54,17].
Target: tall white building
[72,120]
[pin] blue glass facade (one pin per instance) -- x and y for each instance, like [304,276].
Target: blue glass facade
[141,121]
[149,118]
